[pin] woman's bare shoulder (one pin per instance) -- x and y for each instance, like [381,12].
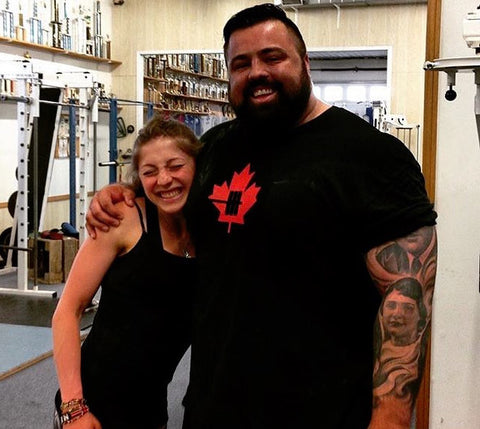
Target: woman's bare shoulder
[131,214]
[129,228]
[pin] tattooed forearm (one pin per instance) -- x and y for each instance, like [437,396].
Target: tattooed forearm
[404,271]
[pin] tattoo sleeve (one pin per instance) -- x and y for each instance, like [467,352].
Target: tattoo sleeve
[404,272]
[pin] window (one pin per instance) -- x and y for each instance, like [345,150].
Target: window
[356,93]
[378,92]
[332,93]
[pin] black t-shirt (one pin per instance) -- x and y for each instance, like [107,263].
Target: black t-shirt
[284,312]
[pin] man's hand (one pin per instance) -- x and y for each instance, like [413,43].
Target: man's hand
[102,213]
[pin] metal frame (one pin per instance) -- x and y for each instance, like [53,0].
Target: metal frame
[398,125]
[87,112]
[27,115]
[27,109]
[113,102]
[452,66]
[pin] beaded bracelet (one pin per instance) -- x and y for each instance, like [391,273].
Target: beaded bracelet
[73,410]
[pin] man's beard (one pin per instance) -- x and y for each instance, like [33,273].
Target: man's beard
[283,114]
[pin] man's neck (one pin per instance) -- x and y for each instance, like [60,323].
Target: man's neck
[315,108]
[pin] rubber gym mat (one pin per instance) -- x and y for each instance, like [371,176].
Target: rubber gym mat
[34,311]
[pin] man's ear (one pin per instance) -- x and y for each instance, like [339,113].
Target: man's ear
[306,60]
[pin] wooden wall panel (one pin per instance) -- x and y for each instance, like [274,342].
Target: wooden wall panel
[191,25]
[432,51]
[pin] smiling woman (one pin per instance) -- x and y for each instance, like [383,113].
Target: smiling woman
[404,314]
[148,260]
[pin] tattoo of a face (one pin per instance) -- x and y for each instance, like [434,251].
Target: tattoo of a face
[404,272]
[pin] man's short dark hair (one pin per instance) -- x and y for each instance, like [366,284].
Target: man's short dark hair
[260,13]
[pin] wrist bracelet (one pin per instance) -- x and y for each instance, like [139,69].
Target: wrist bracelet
[65,406]
[73,410]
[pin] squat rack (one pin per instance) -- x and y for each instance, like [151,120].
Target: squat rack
[83,81]
[28,85]
[27,113]
[28,100]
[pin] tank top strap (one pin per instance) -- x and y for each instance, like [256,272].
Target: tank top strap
[140,215]
[152,218]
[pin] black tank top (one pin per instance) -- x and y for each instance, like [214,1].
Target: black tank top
[140,332]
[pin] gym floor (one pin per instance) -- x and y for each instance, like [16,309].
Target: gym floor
[25,325]
[26,358]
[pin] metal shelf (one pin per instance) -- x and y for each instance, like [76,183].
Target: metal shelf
[453,64]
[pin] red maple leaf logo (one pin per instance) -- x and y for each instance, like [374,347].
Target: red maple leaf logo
[234,202]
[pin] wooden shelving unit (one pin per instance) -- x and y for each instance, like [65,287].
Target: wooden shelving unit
[178,84]
[56,52]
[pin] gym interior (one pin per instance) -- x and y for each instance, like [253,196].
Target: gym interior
[78,80]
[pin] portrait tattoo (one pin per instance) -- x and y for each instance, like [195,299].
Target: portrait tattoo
[404,272]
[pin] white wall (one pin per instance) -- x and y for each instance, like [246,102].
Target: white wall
[455,369]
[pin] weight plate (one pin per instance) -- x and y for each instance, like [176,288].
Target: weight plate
[12,201]
[5,240]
